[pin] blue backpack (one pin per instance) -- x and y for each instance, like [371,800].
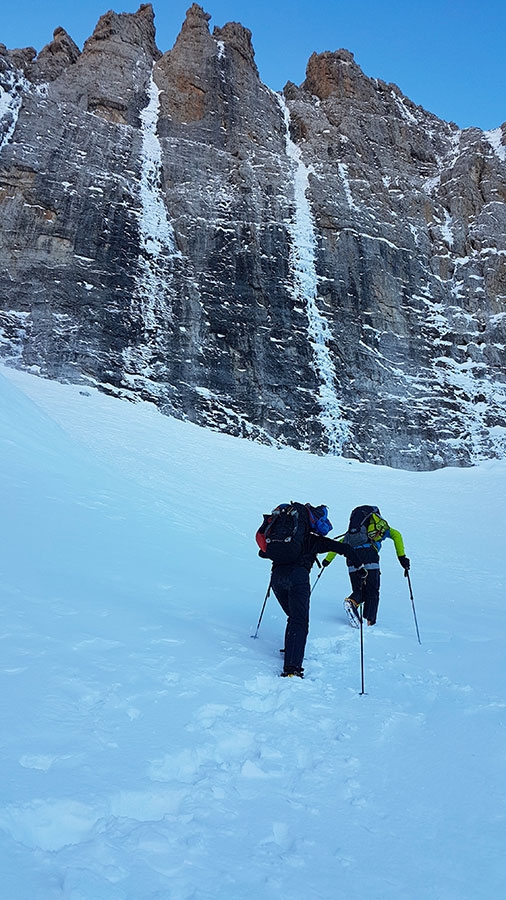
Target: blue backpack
[319,521]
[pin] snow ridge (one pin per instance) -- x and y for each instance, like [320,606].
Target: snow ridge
[303,266]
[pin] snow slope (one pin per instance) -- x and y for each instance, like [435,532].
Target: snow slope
[149,750]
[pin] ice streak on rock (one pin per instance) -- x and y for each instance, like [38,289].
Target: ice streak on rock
[305,278]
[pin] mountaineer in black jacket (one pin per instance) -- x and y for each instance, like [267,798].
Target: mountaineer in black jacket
[290,579]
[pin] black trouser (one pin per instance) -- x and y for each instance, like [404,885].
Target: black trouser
[291,587]
[371,591]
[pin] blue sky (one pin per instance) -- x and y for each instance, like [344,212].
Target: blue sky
[447,55]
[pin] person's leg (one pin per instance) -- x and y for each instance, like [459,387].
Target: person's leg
[280,583]
[297,626]
[356,588]
[371,596]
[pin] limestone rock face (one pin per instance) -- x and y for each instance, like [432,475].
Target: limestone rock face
[54,58]
[325,269]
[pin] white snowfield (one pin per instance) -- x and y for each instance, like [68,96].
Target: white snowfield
[149,750]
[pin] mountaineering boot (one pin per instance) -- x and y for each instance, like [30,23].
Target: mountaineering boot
[352,611]
[292,672]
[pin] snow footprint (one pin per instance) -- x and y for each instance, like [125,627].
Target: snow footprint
[264,698]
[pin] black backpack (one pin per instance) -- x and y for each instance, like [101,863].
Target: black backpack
[357,535]
[283,532]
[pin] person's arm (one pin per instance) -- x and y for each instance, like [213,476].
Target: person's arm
[337,548]
[396,536]
[399,547]
[332,555]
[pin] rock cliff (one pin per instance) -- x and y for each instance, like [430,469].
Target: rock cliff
[324,268]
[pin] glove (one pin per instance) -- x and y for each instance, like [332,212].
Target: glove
[404,561]
[326,562]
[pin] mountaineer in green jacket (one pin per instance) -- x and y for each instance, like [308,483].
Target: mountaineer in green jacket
[366,532]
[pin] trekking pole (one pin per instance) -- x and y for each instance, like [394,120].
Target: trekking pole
[412,604]
[362,641]
[317,580]
[261,614]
